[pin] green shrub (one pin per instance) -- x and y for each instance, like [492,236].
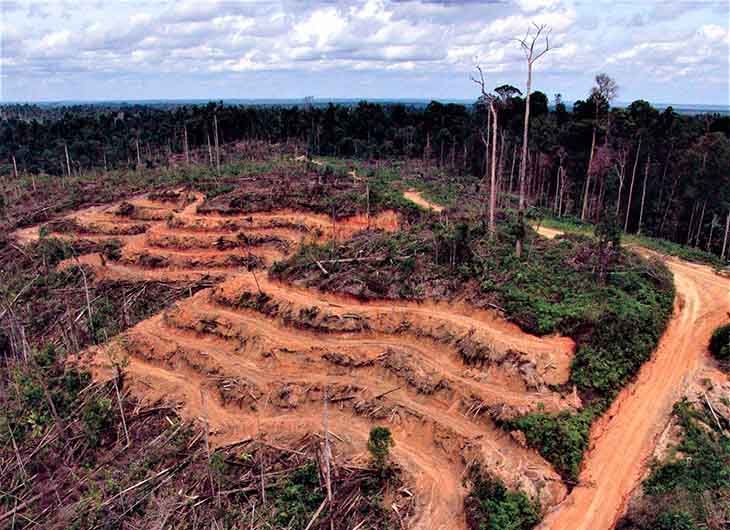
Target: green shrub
[298,497]
[491,506]
[694,475]
[560,438]
[97,416]
[379,445]
[720,343]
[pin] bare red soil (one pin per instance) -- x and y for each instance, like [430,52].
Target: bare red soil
[254,357]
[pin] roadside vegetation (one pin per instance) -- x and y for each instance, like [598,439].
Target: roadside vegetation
[720,343]
[689,488]
[662,246]
[491,506]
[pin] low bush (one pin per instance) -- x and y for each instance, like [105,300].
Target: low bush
[561,438]
[720,343]
[491,506]
[690,488]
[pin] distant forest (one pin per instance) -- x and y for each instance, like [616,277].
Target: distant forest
[661,173]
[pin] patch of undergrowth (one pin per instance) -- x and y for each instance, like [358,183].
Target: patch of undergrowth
[690,488]
[613,303]
[670,248]
[561,438]
[491,506]
[720,343]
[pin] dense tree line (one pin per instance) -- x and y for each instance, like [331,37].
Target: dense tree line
[659,173]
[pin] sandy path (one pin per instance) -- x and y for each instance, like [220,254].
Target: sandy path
[416,197]
[624,438]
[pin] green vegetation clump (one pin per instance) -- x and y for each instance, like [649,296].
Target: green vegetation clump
[690,488]
[720,343]
[491,506]
[379,444]
[561,438]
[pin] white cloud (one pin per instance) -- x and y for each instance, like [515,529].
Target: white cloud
[416,39]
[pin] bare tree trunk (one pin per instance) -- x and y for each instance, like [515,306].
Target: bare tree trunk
[106,167]
[699,226]
[139,159]
[529,49]
[523,165]
[493,179]
[210,150]
[631,188]
[557,187]
[643,193]
[584,211]
[487,142]
[727,231]
[691,223]
[68,160]
[15,168]
[186,146]
[500,164]
[712,231]
[217,145]
[512,171]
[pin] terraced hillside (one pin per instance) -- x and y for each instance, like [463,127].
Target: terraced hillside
[254,357]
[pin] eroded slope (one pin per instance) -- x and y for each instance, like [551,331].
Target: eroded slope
[253,356]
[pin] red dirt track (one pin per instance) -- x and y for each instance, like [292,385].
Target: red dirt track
[624,438]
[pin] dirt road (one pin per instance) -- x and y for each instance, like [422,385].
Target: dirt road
[624,438]
[416,197]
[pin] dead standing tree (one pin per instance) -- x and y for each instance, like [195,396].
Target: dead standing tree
[528,44]
[491,101]
[602,94]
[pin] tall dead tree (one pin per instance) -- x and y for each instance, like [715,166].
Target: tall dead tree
[602,93]
[68,160]
[217,145]
[139,159]
[15,168]
[528,44]
[186,146]
[620,168]
[491,101]
[727,231]
[643,194]
[210,150]
[713,224]
[631,188]
[699,226]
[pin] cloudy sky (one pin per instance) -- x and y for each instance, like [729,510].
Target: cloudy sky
[664,51]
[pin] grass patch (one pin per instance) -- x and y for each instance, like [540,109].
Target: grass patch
[491,506]
[690,488]
[720,343]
